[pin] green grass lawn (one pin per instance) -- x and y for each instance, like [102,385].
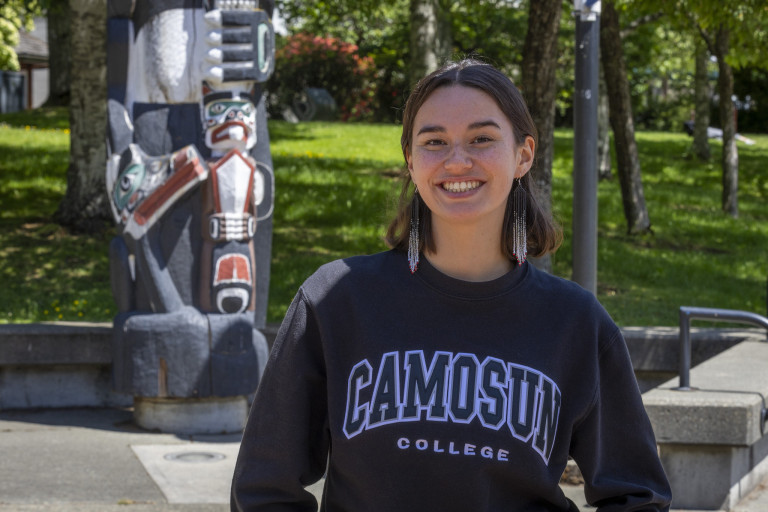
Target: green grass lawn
[697,256]
[45,272]
[336,187]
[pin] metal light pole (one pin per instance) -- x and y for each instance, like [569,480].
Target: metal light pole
[587,14]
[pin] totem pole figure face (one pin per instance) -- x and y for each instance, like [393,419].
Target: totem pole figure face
[143,187]
[137,181]
[230,121]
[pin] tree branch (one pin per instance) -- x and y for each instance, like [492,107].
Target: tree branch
[704,35]
[707,39]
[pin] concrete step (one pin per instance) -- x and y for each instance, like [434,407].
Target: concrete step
[756,501]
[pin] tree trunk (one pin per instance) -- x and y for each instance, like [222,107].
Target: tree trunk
[85,205]
[627,160]
[603,130]
[59,44]
[728,123]
[431,38]
[539,87]
[702,96]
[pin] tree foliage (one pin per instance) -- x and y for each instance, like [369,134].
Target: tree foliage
[15,15]
[670,51]
[493,30]
[9,38]
[660,66]
[747,21]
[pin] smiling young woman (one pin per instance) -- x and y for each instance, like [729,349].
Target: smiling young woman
[448,373]
[463,161]
[493,110]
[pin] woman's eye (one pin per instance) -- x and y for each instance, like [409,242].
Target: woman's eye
[433,142]
[482,139]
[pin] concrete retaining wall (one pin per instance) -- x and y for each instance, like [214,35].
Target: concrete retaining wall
[69,364]
[712,439]
[57,365]
[61,364]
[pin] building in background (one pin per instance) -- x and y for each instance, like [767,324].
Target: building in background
[33,60]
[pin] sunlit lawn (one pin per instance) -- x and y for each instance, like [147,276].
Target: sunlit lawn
[336,185]
[697,255]
[335,189]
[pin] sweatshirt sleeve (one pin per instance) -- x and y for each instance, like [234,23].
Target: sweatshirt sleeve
[285,442]
[614,445]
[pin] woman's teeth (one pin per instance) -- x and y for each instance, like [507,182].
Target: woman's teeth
[460,186]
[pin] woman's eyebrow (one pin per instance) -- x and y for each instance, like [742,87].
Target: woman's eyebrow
[483,124]
[431,128]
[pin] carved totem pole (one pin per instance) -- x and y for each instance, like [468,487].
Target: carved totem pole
[191,186]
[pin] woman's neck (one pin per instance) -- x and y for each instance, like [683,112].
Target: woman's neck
[470,253]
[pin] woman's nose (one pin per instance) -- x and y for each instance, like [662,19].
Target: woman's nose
[458,158]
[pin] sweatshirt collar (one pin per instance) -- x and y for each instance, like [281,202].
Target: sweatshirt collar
[469,289]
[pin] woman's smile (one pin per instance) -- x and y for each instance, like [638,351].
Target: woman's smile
[458,187]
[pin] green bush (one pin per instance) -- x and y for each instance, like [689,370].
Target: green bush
[306,61]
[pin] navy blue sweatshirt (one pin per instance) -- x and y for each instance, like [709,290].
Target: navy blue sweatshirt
[420,392]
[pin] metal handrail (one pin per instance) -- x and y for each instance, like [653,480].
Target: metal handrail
[688,313]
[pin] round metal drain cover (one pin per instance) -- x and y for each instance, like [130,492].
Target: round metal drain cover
[194,456]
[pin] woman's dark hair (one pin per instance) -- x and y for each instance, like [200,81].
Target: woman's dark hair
[543,234]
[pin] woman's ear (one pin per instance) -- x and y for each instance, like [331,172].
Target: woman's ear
[525,154]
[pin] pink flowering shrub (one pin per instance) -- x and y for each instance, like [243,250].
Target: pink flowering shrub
[306,61]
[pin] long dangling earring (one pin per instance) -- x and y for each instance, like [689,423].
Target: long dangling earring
[519,234]
[413,238]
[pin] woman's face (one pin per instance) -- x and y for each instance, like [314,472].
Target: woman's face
[463,158]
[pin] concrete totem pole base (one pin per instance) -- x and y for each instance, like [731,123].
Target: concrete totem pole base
[215,415]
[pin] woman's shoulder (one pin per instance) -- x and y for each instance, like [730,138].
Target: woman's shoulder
[563,293]
[558,298]
[555,283]
[353,271]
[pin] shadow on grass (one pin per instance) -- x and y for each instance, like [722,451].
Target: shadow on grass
[27,163]
[50,274]
[325,209]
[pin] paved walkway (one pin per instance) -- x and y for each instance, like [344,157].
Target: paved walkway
[96,460]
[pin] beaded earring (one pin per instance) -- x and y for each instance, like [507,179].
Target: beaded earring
[519,232]
[413,238]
